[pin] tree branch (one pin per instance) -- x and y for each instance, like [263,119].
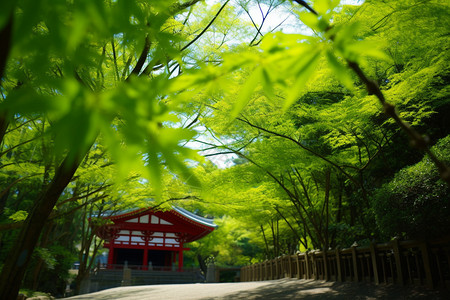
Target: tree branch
[142,58]
[302,147]
[417,140]
[206,28]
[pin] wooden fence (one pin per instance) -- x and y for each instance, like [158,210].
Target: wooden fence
[399,262]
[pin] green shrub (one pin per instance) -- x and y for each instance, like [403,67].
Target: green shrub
[415,204]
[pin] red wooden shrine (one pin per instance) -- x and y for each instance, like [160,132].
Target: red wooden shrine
[145,237]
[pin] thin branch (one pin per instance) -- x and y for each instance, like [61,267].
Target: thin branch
[115,59]
[142,58]
[21,124]
[289,224]
[417,140]
[18,145]
[83,196]
[303,147]
[156,63]
[2,193]
[206,28]
[305,5]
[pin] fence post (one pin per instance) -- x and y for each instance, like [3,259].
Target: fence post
[325,265]
[373,254]
[314,266]
[290,266]
[297,260]
[427,265]
[281,268]
[265,270]
[261,271]
[260,267]
[271,269]
[338,265]
[307,271]
[355,264]
[398,261]
[247,273]
[276,268]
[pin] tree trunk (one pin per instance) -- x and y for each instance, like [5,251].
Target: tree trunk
[5,38]
[43,244]
[20,254]
[265,242]
[327,200]
[202,264]
[3,197]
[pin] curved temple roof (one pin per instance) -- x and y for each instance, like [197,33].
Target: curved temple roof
[177,220]
[194,217]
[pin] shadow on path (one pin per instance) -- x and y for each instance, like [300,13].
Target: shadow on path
[316,289]
[276,289]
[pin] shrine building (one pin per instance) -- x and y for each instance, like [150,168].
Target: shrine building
[144,237]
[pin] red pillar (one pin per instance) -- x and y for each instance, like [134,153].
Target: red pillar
[110,256]
[180,258]
[145,260]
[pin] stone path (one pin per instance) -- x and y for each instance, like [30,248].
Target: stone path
[274,289]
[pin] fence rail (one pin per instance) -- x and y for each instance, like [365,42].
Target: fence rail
[415,263]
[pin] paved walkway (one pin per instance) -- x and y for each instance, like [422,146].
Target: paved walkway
[274,289]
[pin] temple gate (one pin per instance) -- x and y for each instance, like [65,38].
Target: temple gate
[152,239]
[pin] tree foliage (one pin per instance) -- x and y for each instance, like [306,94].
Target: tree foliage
[415,203]
[300,114]
[102,100]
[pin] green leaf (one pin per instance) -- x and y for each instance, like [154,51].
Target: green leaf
[267,84]
[370,49]
[345,36]
[81,23]
[341,72]
[154,168]
[246,91]
[303,74]
[18,216]
[324,7]
[310,20]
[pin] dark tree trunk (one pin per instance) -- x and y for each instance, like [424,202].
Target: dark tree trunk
[202,264]
[265,242]
[43,244]
[19,256]
[3,198]
[5,40]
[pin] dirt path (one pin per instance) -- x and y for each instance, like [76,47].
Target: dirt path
[275,289]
